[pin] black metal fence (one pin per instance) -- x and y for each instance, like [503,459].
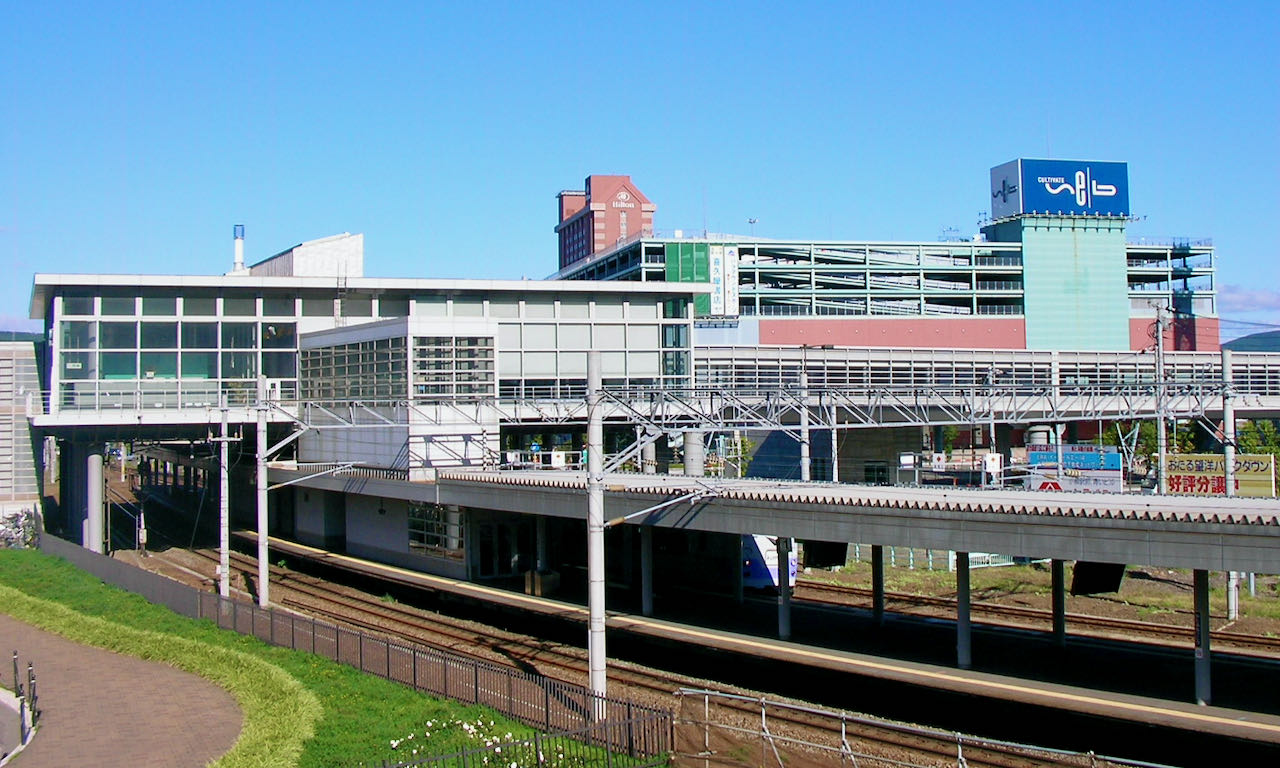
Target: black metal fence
[616,729]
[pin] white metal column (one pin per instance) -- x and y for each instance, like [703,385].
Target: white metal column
[595,533]
[93,478]
[264,559]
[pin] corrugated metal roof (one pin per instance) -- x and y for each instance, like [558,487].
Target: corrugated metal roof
[1174,509]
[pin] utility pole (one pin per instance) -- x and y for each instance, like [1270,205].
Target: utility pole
[224,504]
[1162,440]
[263,556]
[595,536]
[1229,472]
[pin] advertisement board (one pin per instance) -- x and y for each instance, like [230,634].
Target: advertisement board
[716,264]
[731,280]
[1075,456]
[1203,474]
[1065,187]
[1078,480]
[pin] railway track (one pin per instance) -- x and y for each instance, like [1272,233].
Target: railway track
[344,605]
[1021,617]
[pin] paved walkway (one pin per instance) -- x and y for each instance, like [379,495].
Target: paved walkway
[103,709]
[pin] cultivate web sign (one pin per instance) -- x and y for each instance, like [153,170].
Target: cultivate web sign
[1066,187]
[1202,474]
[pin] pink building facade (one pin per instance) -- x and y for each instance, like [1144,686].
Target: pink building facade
[609,210]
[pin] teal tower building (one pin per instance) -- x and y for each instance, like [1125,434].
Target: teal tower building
[1070,218]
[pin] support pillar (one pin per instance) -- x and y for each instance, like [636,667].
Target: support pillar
[1058,572]
[646,570]
[695,455]
[649,459]
[540,543]
[835,448]
[964,639]
[784,588]
[1229,472]
[1203,682]
[94,529]
[877,582]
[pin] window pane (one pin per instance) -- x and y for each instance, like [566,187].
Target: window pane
[279,336]
[430,306]
[79,335]
[118,335]
[276,306]
[160,305]
[239,335]
[79,365]
[77,305]
[240,306]
[118,365]
[239,365]
[199,365]
[159,365]
[468,307]
[159,335]
[317,307]
[199,306]
[199,335]
[118,305]
[279,365]
[393,306]
[357,306]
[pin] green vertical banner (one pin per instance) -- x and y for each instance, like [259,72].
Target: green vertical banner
[690,263]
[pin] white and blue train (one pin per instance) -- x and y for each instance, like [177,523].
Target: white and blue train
[760,562]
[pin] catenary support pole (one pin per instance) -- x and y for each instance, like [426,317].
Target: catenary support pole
[93,478]
[784,588]
[649,459]
[224,504]
[595,533]
[1203,682]
[1162,439]
[964,639]
[806,469]
[1229,471]
[1058,576]
[877,582]
[835,448]
[264,558]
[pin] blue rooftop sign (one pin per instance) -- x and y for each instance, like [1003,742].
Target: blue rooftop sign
[1068,187]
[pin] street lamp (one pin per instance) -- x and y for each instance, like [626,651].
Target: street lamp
[752,222]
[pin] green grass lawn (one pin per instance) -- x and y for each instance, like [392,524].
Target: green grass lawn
[299,709]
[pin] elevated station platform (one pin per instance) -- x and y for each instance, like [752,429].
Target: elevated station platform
[1253,727]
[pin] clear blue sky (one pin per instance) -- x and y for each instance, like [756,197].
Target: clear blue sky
[135,135]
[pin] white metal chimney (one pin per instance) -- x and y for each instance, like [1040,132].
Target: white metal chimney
[238,266]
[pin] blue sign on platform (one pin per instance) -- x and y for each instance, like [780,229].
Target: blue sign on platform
[1060,187]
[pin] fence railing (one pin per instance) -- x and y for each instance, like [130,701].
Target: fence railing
[618,726]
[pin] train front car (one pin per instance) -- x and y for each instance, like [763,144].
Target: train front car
[760,562]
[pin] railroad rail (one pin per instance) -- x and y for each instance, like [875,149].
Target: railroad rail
[567,664]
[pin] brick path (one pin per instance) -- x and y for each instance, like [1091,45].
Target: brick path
[103,709]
